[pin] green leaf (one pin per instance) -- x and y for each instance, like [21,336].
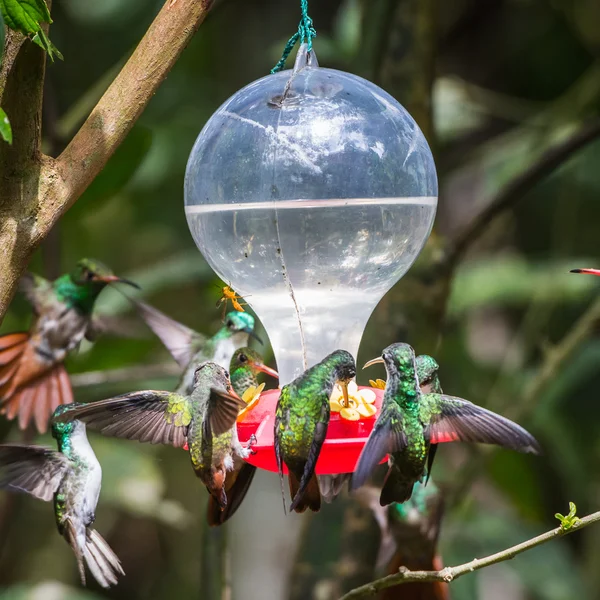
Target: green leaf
[570,520]
[5,128]
[26,16]
[42,40]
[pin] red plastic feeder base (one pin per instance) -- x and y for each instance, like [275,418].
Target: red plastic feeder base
[341,449]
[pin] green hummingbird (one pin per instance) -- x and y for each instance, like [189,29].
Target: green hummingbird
[245,366]
[190,348]
[411,421]
[72,477]
[427,367]
[33,379]
[301,421]
[409,539]
[205,421]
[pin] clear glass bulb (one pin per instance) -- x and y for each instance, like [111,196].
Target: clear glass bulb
[311,193]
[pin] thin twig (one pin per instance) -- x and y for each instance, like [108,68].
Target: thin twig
[451,573]
[555,359]
[557,356]
[516,188]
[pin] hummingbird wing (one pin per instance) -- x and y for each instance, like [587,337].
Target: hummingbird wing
[181,341]
[32,469]
[150,416]
[454,419]
[387,437]
[113,325]
[37,290]
[222,412]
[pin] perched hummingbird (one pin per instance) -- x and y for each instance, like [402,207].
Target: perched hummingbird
[427,367]
[244,368]
[205,421]
[246,364]
[301,421]
[33,379]
[409,538]
[410,421]
[72,477]
[586,271]
[190,348]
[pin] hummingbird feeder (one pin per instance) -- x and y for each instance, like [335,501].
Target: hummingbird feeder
[311,192]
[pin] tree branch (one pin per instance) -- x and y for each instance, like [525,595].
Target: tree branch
[557,356]
[518,187]
[21,92]
[451,573]
[128,95]
[37,194]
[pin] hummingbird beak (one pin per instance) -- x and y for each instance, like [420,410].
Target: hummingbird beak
[374,361]
[251,333]
[344,386]
[265,369]
[232,392]
[586,271]
[115,279]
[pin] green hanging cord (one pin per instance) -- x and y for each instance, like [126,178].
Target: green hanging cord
[306,32]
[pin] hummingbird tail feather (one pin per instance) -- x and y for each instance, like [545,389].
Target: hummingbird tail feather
[12,347]
[305,493]
[395,488]
[30,388]
[214,513]
[332,485]
[39,399]
[236,487]
[71,536]
[102,562]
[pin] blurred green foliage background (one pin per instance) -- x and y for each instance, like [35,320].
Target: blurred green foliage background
[504,80]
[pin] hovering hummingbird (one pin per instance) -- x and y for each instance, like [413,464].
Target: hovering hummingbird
[409,538]
[33,379]
[72,477]
[586,271]
[301,421]
[190,348]
[245,366]
[205,421]
[410,421]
